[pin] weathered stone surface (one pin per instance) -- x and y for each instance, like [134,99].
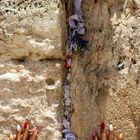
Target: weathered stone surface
[35,28]
[31,66]
[31,91]
[105,82]
[101,91]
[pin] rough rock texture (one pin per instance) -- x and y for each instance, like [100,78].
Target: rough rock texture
[31,65]
[105,81]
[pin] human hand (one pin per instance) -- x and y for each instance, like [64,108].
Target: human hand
[24,133]
[104,135]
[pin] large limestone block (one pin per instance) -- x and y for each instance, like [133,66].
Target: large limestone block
[34,27]
[31,91]
[31,54]
[105,81]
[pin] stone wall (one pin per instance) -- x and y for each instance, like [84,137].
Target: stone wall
[31,65]
[105,81]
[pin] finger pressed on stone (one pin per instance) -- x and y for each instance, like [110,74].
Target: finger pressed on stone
[94,135]
[11,136]
[103,131]
[18,136]
[120,137]
[111,132]
[34,135]
[26,132]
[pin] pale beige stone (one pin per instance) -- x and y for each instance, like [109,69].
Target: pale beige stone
[31,66]
[31,85]
[100,92]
